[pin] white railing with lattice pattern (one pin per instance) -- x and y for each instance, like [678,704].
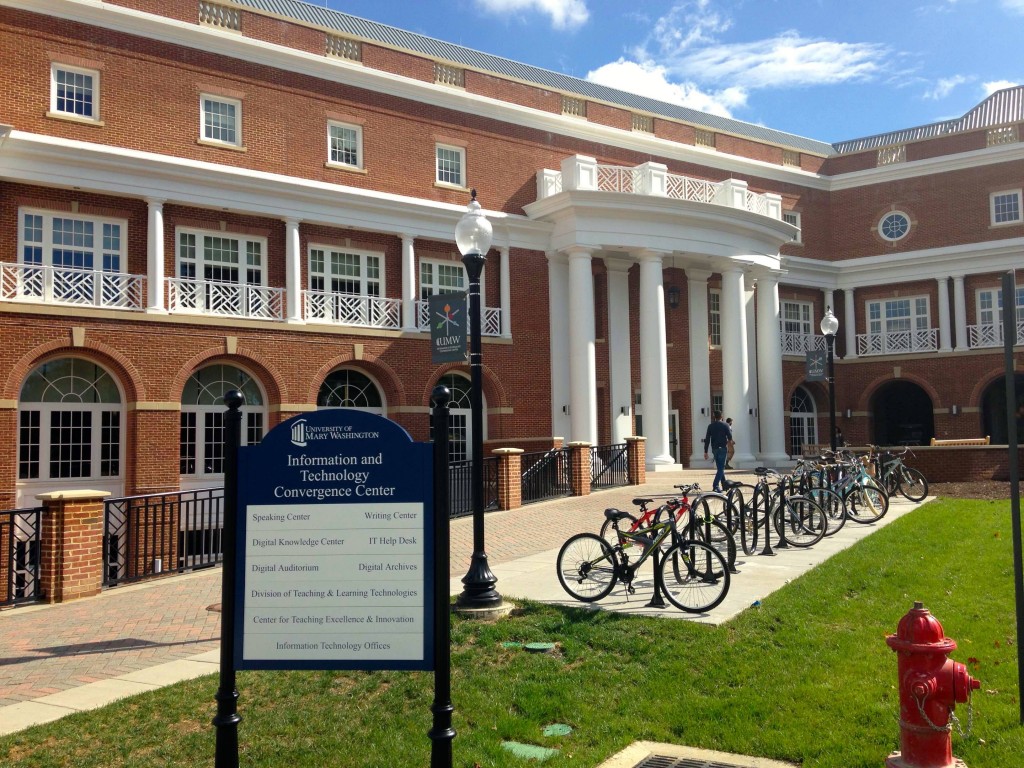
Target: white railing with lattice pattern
[799,343]
[78,287]
[989,335]
[349,309]
[207,297]
[490,323]
[617,178]
[898,342]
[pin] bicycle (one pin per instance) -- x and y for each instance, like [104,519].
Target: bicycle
[897,477]
[866,500]
[692,575]
[806,473]
[797,519]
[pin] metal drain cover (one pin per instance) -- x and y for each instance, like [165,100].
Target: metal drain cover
[662,761]
[649,754]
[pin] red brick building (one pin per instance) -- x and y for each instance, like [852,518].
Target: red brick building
[200,196]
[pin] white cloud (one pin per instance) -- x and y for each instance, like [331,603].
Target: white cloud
[1013,6]
[650,80]
[997,85]
[944,87]
[565,14]
[687,24]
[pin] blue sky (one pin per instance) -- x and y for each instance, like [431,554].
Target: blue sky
[826,69]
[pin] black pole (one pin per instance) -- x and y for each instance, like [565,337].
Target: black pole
[831,340]
[442,733]
[227,719]
[479,582]
[1009,340]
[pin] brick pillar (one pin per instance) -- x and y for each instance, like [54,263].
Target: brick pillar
[71,546]
[636,456]
[510,477]
[579,468]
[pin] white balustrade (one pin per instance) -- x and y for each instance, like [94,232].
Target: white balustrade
[210,297]
[350,309]
[66,285]
[991,335]
[799,343]
[898,342]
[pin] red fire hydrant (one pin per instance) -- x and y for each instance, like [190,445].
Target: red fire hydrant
[930,686]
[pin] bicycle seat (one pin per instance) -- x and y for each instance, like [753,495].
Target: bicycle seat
[731,484]
[616,514]
[641,502]
[761,471]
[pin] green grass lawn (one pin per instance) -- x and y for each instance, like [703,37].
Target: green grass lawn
[807,677]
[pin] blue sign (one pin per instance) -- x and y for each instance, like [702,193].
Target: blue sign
[334,546]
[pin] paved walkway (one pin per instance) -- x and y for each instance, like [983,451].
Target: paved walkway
[59,659]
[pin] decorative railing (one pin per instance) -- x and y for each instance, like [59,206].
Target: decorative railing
[609,466]
[460,486]
[490,324]
[349,309]
[991,335]
[210,297]
[545,475]
[897,342]
[799,343]
[695,190]
[144,536]
[66,285]
[20,531]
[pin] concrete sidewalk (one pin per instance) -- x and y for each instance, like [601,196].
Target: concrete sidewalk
[78,656]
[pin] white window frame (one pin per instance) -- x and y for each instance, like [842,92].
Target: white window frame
[989,305]
[804,324]
[237,122]
[200,262]
[993,208]
[103,232]
[793,217]
[368,286]
[332,162]
[94,114]
[883,324]
[432,288]
[380,410]
[461,152]
[886,215]
[715,317]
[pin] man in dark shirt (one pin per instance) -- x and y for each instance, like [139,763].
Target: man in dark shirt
[718,437]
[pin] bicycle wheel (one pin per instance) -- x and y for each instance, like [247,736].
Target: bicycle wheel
[609,535]
[716,536]
[866,502]
[701,580]
[832,503]
[913,484]
[718,507]
[586,567]
[749,530]
[801,521]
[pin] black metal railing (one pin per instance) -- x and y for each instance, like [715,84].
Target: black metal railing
[460,486]
[546,475]
[609,466]
[145,536]
[20,531]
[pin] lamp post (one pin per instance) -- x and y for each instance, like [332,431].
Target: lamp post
[829,327]
[473,236]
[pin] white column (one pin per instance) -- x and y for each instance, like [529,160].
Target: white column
[293,271]
[506,293]
[582,354]
[753,435]
[620,388]
[735,376]
[558,338]
[771,396]
[700,359]
[155,256]
[850,324]
[960,312]
[654,361]
[944,325]
[410,288]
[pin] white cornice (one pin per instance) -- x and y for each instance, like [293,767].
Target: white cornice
[931,166]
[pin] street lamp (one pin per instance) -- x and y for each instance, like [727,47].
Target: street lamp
[829,327]
[473,236]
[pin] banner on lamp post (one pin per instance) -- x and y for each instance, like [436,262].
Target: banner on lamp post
[815,362]
[448,327]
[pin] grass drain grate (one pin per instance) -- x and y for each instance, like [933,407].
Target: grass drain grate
[661,761]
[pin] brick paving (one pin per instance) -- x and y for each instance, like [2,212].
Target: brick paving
[48,649]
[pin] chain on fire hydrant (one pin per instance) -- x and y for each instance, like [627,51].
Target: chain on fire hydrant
[930,686]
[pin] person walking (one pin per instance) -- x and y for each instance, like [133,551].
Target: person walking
[718,438]
[732,446]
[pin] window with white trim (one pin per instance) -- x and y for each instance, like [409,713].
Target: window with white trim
[69,240]
[344,144]
[218,257]
[74,92]
[893,316]
[349,388]
[990,306]
[201,441]
[715,317]
[220,120]
[793,218]
[442,277]
[1004,207]
[451,165]
[797,317]
[333,270]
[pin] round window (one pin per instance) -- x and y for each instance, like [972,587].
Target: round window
[894,226]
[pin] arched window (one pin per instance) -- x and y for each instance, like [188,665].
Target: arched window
[201,451]
[460,424]
[70,417]
[803,424]
[348,388]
